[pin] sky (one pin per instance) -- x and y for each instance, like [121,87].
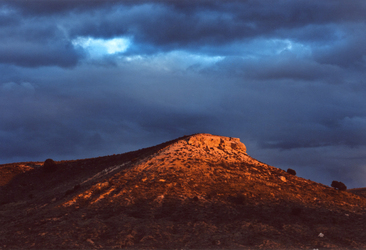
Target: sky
[81,79]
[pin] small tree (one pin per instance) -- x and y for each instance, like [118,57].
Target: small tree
[291,171]
[339,185]
[49,166]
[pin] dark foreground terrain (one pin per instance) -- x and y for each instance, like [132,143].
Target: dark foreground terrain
[198,192]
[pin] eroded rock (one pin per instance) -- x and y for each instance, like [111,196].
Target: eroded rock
[219,142]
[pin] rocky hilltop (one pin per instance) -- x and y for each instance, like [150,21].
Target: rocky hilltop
[199,191]
[207,141]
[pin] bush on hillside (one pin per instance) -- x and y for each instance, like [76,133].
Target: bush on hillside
[291,171]
[339,185]
[49,166]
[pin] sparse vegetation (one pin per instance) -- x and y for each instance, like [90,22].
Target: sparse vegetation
[291,171]
[49,166]
[339,185]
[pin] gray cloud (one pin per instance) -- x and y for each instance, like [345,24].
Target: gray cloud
[35,42]
[165,26]
[346,52]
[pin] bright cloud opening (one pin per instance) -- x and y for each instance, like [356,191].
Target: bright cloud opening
[175,60]
[101,47]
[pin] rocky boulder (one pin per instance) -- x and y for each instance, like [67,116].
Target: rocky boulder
[214,141]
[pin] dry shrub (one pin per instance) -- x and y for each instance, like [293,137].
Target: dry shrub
[49,166]
[339,185]
[291,171]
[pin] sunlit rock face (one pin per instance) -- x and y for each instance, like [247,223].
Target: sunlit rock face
[213,141]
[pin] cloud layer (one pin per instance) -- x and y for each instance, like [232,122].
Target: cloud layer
[287,77]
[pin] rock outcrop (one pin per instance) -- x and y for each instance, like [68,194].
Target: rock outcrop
[208,141]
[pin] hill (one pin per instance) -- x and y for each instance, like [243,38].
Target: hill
[358,191]
[199,191]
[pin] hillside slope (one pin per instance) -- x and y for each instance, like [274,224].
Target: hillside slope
[358,191]
[199,191]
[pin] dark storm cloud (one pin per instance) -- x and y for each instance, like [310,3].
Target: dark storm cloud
[43,7]
[29,54]
[34,42]
[196,22]
[284,66]
[293,114]
[347,52]
[192,25]
[77,116]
